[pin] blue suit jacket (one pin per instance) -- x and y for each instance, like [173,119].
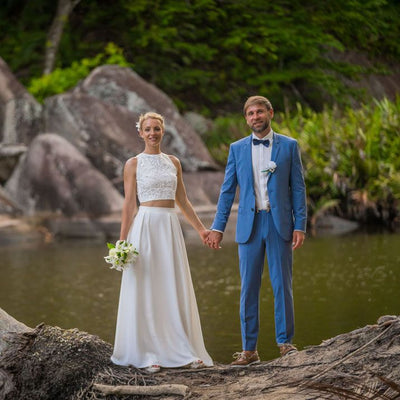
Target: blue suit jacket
[286,189]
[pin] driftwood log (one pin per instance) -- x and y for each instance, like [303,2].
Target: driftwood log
[181,390]
[49,363]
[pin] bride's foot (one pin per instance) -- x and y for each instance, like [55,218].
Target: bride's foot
[197,364]
[153,368]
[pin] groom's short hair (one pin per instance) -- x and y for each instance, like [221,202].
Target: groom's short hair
[256,100]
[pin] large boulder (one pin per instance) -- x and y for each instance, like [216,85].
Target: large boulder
[53,176]
[20,113]
[203,187]
[198,122]
[374,83]
[123,87]
[104,133]
[99,118]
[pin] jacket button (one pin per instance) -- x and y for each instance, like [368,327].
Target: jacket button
[252,209]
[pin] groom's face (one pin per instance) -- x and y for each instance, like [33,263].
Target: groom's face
[258,118]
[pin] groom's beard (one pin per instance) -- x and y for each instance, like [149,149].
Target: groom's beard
[261,128]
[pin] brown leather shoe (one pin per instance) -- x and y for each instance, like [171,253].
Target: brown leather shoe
[245,358]
[286,349]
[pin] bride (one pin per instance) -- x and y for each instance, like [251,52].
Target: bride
[158,323]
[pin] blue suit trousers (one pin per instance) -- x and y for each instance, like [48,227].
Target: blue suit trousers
[265,239]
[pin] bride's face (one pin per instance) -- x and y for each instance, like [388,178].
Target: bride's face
[151,132]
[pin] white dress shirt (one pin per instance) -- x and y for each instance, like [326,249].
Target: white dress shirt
[261,156]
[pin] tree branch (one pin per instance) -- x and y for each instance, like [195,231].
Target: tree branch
[181,390]
[64,9]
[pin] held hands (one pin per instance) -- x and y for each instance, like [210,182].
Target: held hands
[214,239]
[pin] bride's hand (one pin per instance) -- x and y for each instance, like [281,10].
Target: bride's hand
[204,235]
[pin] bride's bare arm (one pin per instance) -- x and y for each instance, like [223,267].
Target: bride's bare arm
[129,208]
[185,205]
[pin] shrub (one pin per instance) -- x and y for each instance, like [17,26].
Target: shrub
[63,79]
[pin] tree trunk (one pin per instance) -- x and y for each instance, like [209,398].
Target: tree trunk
[64,9]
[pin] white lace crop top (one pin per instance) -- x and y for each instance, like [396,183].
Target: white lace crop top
[156,177]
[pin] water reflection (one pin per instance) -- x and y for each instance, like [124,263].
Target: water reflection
[340,284]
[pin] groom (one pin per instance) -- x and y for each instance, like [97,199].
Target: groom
[272,216]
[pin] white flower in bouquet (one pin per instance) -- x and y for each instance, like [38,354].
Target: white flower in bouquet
[112,252]
[121,254]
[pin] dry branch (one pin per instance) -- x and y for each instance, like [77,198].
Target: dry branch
[159,390]
[314,378]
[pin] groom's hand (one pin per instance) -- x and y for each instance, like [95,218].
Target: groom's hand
[214,239]
[298,239]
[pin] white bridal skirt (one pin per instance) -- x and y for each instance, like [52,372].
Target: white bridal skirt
[158,320]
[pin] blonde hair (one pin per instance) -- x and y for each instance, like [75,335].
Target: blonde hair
[251,101]
[148,115]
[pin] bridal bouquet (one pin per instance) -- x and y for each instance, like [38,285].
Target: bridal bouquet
[121,254]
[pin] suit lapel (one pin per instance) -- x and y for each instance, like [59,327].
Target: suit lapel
[275,148]
[247,158]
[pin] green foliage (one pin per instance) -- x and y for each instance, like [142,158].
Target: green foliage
[226,130]
[351,158]
[62,79]
[23,27]
[351,155]
[209,55]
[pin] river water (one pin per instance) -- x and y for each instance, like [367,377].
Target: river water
[340,284]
